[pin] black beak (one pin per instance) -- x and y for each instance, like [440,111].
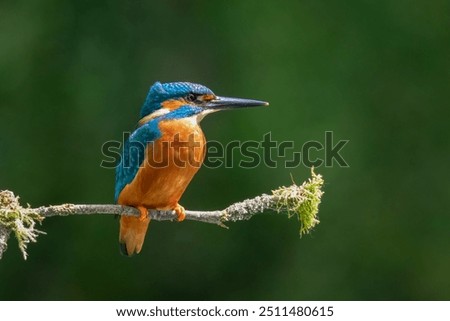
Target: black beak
[229,102]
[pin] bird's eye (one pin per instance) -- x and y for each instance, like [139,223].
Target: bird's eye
[191,97]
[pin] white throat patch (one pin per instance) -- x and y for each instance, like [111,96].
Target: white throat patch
[201,115]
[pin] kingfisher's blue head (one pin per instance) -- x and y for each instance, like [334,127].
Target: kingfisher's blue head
[185,99]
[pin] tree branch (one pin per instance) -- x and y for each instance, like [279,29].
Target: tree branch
[296,200]
[4,236]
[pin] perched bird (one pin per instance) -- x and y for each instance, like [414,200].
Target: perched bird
[162,155]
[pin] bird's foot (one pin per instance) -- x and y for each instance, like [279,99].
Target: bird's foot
[144,213]
[181,213]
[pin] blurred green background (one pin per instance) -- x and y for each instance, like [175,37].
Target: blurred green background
[75,73]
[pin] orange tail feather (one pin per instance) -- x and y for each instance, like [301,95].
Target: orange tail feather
[132,234]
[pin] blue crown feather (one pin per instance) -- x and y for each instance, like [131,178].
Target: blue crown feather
[159,93]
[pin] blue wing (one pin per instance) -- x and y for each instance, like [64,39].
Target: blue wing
[134,154]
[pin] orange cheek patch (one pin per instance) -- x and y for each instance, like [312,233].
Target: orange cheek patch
[207,97]
[173,104]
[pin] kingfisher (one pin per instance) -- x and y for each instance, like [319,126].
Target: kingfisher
[165,151]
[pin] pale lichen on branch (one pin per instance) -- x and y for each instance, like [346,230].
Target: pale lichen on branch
[296,200]
[18,220]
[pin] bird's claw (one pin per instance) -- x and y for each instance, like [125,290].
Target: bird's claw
[181,213]
[144,213]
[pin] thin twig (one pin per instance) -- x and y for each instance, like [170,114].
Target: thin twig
[237,212]
[110,209]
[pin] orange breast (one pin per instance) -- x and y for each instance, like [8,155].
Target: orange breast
[170,164]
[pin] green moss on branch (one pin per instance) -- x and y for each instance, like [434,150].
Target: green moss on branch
[302,201]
